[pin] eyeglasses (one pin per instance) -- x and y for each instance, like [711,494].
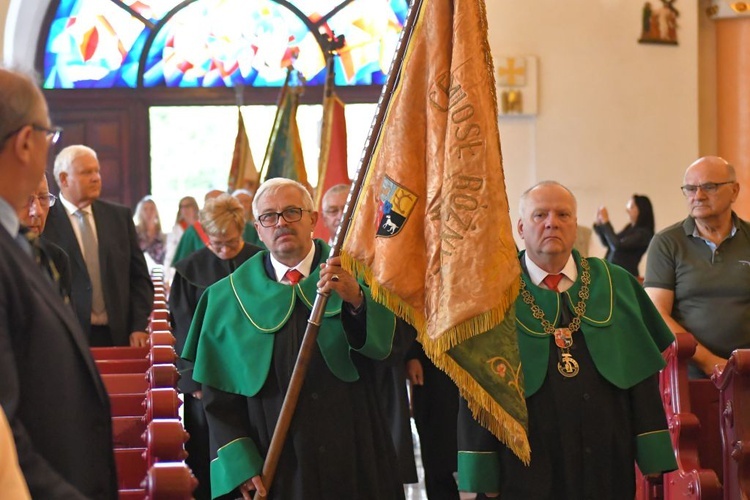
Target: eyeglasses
[707,187]
[45,200]
[52,134]
[230,244]
[289,215]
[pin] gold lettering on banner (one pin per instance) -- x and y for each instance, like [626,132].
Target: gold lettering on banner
[462,195]
[447,95]
[457,216]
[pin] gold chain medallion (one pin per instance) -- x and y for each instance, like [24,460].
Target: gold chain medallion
[567,366]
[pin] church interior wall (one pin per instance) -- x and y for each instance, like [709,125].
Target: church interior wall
[615,117]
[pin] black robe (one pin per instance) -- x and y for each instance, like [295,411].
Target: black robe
[580,431]
[338,446]
[193,275]
[390,378]
[435,406]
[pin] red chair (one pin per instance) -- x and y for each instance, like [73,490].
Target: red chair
[734,400]
[691,408]
[149,439]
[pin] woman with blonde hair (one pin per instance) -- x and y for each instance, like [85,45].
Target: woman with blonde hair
[223,221]
[148,228]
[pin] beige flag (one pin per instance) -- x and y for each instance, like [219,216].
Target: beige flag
[431,230]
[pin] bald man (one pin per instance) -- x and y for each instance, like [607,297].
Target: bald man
[590,342]
[698,270]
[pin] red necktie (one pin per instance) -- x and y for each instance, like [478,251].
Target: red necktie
[293,276]
[552,280]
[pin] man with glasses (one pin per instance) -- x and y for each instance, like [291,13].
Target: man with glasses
[111,291]
[53,259]
[50,389]
[244,341]
[698,270]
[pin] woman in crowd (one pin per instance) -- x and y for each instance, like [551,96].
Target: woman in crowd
[223,221]
[186,216]
[148,227]
[628,246]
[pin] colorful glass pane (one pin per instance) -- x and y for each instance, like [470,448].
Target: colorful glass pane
[215,43]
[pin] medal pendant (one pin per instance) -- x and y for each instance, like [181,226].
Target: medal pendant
[568,367]
[563,338]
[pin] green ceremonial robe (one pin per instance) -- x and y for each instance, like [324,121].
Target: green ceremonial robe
[244,341]
[586,431]
[192,242]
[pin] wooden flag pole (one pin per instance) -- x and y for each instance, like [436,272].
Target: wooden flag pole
[313,323]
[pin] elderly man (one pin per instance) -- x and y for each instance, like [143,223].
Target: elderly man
[53,259]
[244,341]
[698,270]
[590,342]
[333,204]
[112,291]
[50,389]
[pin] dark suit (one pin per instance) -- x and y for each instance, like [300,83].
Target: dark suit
[127,287]
[50,388]
[60,259]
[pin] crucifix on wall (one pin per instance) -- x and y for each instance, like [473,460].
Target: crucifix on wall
[516,85]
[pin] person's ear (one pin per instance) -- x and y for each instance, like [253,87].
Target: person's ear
[519,228]
[22,144]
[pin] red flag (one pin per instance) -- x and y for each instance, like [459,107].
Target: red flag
[332,164]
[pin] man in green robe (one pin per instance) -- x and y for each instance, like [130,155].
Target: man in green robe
[590,342]
[244,341]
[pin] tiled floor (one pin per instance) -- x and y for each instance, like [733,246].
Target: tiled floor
[416,491]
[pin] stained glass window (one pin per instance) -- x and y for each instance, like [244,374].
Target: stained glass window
[217,43]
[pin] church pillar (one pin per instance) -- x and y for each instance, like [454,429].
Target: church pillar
[733,91]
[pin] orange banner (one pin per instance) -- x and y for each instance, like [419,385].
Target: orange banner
[431,231]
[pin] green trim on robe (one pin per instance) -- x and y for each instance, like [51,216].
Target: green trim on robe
[654,452]
[237,317]
[189,242]
[479,471]
[236,462]
[624,352]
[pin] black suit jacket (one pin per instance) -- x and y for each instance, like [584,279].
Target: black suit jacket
[128,291]
[50,388]
[62,263]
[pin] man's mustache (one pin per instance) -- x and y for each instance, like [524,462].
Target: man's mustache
[283,231]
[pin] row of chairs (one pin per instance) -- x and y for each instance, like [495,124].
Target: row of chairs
[709,422]
[149,437]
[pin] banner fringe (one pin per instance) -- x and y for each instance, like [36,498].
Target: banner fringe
[483,407]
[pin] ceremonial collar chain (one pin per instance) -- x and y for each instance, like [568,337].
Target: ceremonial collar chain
[579,309]
[566,365]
